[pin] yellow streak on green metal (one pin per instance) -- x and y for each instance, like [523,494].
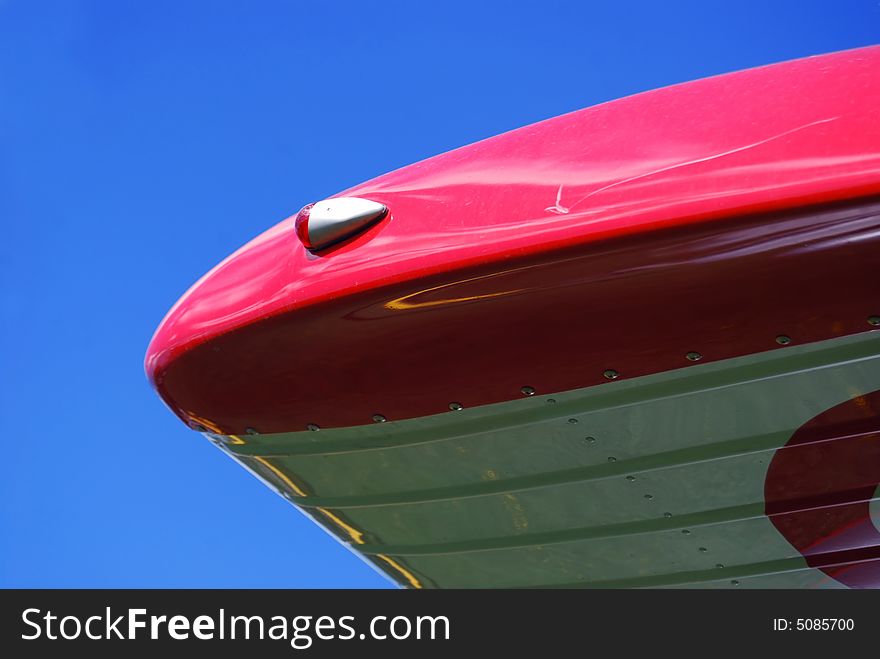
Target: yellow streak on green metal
[280,474]
[354,534]
[409,576]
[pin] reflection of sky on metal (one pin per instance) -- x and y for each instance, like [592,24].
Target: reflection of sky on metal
[875,509]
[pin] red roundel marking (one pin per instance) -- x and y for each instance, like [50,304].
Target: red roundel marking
[819,488]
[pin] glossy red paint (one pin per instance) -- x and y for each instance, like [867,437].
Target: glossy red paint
[819,489]
[544,256]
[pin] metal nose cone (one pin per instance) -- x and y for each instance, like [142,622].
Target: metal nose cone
[326,222]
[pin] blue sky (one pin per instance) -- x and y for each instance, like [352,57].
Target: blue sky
[141,142]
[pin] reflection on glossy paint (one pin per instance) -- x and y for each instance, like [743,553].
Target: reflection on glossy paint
[356,536]
[281,475]
[353,533]
[688,163]
[409,576]
[204,422]
[411,300]
[557,322]
[798,133]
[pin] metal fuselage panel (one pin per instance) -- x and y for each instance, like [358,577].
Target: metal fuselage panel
[707,217]
[655,481]
[631,346]
[572,318]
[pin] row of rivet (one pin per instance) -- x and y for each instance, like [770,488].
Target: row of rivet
[649,497]
[608,374]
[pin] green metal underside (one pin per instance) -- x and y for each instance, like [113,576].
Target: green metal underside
[655,481]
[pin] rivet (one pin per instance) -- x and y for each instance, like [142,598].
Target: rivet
[528,391]
[734,582]
[572,420]
[612,459]
[378,418]
[719,565]
[314,427]
[649,496]
[703,550]
[590,440]
[667,515]
[783,340]
[630,478]
[251,431]
[551,401]
[694,356]
[611,374]
[686,531]
[455,407]
[874,320]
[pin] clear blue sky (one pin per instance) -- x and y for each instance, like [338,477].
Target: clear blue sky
[141,142]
